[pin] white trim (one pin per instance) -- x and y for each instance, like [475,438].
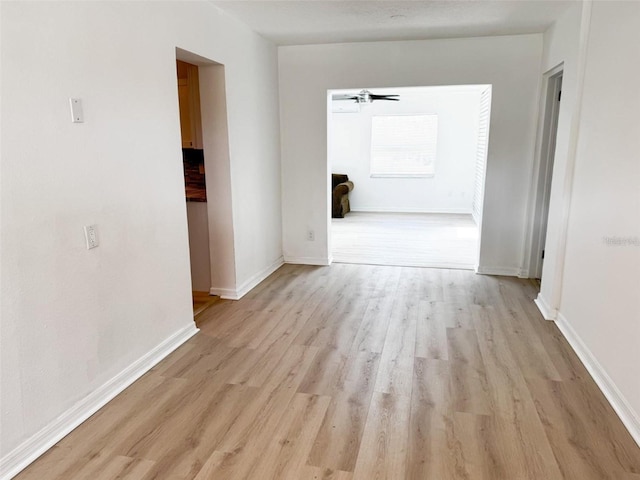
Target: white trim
[225,293]
[256,279]
[322,261]
[28,451]
[247,285]
[556,277]
[547,312]
[540,172]
[504,271]
[466,211]
[628,416]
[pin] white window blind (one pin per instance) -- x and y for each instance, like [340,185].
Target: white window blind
[403,145]
[481,153]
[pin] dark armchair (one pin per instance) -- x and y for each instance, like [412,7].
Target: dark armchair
[340,188]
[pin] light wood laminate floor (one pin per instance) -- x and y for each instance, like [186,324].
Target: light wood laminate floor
[202,301]
[405,239]
[356,372]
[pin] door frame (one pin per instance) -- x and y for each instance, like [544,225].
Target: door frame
[217,164]
[542,172]
[545,171]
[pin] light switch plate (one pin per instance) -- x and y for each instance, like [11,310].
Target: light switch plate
[77,116]
[91,236]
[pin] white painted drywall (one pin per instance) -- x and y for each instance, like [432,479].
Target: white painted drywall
[450,190]
[197,219]
[561,44]
[217,164]
[601,288]
[510,63]
[72,319]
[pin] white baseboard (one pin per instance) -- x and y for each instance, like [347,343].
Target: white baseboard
[465,211]
[28,451]
[504,271]
[247,285]
[252,282]
[628,416]
[547,312]
[226,293]
[323,261]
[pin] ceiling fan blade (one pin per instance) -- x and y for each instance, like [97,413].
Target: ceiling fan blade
[384,97]
[343,97]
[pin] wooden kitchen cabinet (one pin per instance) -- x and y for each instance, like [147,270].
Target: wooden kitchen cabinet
[189,100]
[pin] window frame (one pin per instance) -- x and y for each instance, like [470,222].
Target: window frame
[377,173]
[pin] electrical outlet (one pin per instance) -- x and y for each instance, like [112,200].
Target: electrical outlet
[311,236]
[91,236]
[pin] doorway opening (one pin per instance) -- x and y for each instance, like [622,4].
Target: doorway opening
[543,179]
[195,184]
[207,177]
[408,168]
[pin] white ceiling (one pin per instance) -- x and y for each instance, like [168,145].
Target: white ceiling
[302,22]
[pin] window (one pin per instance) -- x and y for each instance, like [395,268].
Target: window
[403,145]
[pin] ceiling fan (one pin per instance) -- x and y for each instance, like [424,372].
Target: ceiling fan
[365,96]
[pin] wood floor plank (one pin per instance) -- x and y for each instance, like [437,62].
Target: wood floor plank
[218,465]
[107,428]
[453,314]
[455,287]
[395,372]
[431,333]
[396,362]
[591,448]
[322,376]
[485,456]
[338,441]
[199,431]
[430,288]
[512,405]
[124,468]
[375,321]
[383,454]
[268,405]
[528,350]
[295,319]
[322,473]
[468,383]
[364,372]
[433,451]
[285,455]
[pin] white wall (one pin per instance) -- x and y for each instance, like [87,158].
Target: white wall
[450,190]
[73,319]
[198,222]
[561,46]
[510,63]
[600,304]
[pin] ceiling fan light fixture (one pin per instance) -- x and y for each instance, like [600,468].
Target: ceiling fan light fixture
[365,97]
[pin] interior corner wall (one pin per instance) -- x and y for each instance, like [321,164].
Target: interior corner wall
[450,190]
[600,304]
[561,45]
[510,63]
[73,319]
